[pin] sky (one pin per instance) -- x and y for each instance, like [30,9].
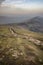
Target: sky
[21,6]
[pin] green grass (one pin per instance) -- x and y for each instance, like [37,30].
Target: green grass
[26,51]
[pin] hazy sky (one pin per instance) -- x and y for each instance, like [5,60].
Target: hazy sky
[21,6]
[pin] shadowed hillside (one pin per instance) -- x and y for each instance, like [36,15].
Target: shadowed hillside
[35,24]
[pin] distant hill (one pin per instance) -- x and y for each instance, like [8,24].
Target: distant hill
[13,19]
[35,24]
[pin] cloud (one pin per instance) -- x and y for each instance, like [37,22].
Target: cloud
[22,4]
[11,3]
[1,1]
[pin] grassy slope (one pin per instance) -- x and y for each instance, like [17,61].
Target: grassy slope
[17,49]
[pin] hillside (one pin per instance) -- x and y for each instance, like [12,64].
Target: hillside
[35,24]
[19,46]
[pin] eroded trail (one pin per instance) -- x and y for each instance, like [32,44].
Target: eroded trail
[16,34]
